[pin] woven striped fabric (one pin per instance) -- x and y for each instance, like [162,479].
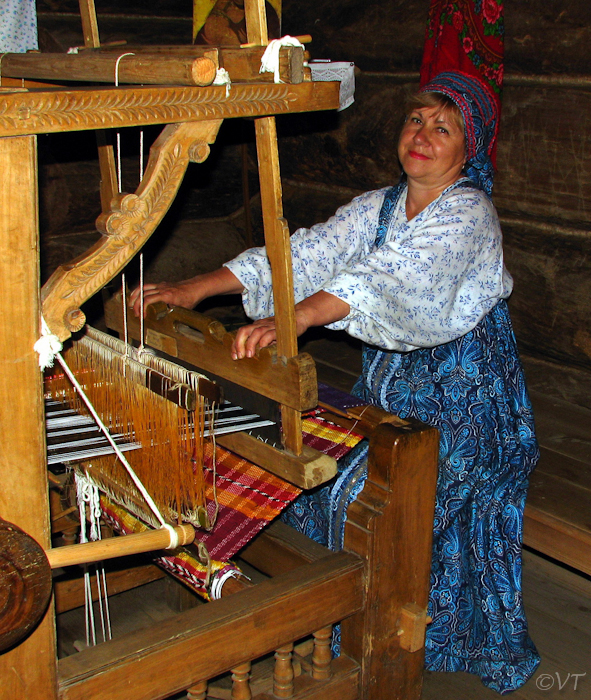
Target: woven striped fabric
[248,498]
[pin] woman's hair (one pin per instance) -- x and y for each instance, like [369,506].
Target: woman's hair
[436,99]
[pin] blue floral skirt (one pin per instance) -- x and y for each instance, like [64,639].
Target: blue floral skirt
[473,390]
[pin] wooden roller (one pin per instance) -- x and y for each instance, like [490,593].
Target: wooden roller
[117,547]
[100,68]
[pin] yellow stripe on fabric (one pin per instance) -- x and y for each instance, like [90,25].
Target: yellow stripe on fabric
[333,433]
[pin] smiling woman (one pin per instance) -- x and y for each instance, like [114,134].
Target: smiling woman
[416,271]
[431,150]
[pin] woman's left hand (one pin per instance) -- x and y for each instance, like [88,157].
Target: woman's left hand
[317,310]
[261,334]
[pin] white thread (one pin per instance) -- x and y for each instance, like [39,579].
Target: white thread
[141,347]
[88,497]
[106,597]
[141,154]
[125,330]
[118,139]
[270,59]
[48,346]
[83,498]
[215,591]
[222,77]
[174,537]
[123,55]
[118,142]
[73,50]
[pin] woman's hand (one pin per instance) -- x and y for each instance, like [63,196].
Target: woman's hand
[318,310]
[261,334]
[187,293]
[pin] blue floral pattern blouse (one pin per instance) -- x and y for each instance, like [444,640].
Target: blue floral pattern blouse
[432,280]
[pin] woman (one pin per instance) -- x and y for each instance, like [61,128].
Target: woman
[416,271]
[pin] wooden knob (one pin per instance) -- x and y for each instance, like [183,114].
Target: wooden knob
[25,584]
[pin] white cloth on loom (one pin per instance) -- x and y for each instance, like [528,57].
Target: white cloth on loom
[433,279]
[342,71]
[18,26]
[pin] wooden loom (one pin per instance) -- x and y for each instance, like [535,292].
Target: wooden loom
[383,607]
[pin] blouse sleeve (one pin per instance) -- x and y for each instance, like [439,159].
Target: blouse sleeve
[319,254]
[432,281]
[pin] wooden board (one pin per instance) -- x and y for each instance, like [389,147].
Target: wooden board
[205,344]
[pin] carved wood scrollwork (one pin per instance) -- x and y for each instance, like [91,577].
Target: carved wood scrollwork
[132,220]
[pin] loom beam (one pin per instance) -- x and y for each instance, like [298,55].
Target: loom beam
[113,547]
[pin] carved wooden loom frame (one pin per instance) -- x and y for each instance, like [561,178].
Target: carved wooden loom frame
[396,505]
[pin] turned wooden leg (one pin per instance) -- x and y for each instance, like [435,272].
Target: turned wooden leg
[198,691]
[322,655]
[241,682]
[283,672]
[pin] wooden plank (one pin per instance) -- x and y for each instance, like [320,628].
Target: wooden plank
[23,497]
[556,591]
[109,186]
[560,500]
[563,427]
[557,518]
[90,28]
[145,69]
[279,254]
[146,664]
[390,525]
[242,63]
[276,231]
[280,548]
[567,469]
[307,470]
[557,539]
[47,111]
[205,344]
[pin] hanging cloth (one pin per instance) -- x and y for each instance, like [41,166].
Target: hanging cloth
[466,35]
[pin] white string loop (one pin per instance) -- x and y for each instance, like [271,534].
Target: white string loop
[270,59]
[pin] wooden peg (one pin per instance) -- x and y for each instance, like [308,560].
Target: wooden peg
[322,654]
[283,672]
[241,682]
[117,547]
[197,691]
[413,624]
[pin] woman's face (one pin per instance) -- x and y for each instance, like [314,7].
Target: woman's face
[431,148]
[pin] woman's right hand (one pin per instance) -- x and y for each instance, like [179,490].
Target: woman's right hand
[185,294]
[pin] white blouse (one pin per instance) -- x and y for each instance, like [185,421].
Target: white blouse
[431,281]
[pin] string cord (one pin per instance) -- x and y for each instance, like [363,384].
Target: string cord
[117,62]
